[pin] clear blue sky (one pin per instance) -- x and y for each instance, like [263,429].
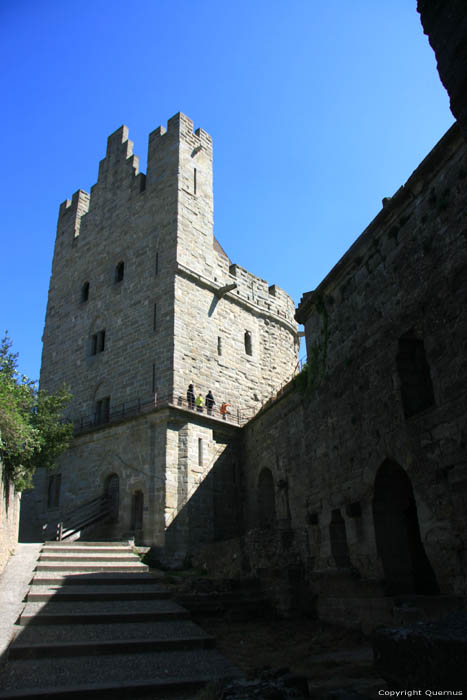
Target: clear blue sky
[317,111]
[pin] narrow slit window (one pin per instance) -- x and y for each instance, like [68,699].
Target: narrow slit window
[248,343]
[194,180]
[153,378]
[154,318]
[94,344]
[219,345]
[200,452]
[85,292]
[119,272]
[101,341]
[156,266]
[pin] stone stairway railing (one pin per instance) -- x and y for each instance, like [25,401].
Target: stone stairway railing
[78,519]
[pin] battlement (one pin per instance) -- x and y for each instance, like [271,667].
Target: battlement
[70,212]
[257,291]
[181,127]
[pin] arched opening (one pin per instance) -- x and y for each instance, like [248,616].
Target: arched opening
[406,566]
[338,536]
[137,505]
[112,492]
[266,500]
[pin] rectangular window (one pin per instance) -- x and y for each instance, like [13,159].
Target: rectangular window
[200,452]
[154,318]
[102,413]
[219,345]
[157,264]
[53,490]
[153,378]
[194,181]
[98,342]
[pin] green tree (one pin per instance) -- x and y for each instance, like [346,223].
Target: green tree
[32,432]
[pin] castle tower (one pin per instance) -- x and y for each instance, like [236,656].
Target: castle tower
[143,301]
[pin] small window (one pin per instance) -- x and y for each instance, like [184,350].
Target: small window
[53,490]
[219,345]
[85,292]
[102,412]
[119,272]
[414,372]
[156,266]
[200,452]
[194,180]
[154,318]
[248,343]
[153,378]
[98,342]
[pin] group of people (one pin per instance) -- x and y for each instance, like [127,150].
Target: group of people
[199,402]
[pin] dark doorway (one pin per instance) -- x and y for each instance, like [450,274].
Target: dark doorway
[137,505]
[405,563]
[266,500]
[338,536]
[112,491]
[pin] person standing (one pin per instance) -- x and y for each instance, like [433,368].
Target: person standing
[223,410]
[190,397]
[199,403]
[209,401]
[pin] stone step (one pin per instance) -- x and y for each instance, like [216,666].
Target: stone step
[129,646]
[85,550]
[84,567]
[83,543]
[51,613]
[93,557]
[117,631]
[118,675]
[83,593]
[79,578]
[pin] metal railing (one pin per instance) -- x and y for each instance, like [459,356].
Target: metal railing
[234,415]
[78,518]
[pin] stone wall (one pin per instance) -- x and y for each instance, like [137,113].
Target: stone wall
[382,420]
[445,23]
[9,519]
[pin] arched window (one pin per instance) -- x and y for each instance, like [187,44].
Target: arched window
[248,343]
[85,292]
[266,499]
[119,271]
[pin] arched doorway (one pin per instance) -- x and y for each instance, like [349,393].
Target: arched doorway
[137,505]
[405,563]
[266,500]
[112,492]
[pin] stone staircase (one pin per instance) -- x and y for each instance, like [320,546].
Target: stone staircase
[97,623]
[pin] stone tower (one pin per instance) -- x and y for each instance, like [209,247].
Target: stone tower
[143,301]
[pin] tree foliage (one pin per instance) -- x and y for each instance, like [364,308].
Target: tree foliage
[32,432]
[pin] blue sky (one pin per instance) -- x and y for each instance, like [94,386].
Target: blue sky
[317,111]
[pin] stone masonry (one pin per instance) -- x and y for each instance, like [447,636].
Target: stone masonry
[9,519]
[355,477]
[144,301]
